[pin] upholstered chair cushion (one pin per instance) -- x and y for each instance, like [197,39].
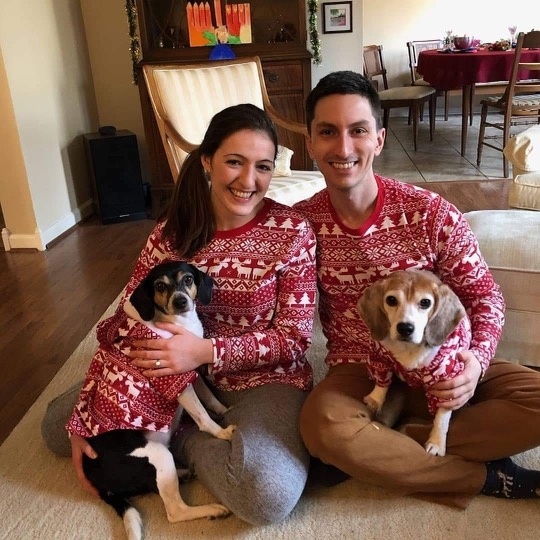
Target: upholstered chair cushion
[216,89]
[297,187]
[525,191]
[510,242]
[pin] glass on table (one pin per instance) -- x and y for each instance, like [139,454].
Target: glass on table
[512,29]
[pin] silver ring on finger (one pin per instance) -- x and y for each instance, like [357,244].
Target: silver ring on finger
[158,363]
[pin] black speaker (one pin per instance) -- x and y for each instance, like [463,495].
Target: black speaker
[115,171]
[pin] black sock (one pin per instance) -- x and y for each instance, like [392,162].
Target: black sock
[326,475]
[507,480]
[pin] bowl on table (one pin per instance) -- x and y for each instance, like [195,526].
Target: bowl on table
[463,42]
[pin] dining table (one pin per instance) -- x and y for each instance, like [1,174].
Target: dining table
[449,69]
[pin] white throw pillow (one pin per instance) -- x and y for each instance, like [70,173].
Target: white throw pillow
[523,150]
[283,161]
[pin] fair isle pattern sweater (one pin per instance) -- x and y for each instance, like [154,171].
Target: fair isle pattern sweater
[115,394]
[446,364]
[410,227]
[260,318]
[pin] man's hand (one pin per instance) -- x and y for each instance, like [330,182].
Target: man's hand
[80,446]
[458,391]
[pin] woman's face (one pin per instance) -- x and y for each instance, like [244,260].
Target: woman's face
[240,172]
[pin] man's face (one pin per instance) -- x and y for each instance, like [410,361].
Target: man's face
[344,139]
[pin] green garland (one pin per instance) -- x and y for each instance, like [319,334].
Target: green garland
[314,38]
[134,47]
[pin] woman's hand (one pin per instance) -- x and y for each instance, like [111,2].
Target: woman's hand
[80,446]
[459,390]
[182,352]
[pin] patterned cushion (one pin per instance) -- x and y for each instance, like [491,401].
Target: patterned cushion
[520,100]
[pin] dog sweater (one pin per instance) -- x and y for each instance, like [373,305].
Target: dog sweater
[409,227]
[115,394]
[445,366]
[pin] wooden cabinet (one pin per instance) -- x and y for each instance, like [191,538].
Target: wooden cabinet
[278,37]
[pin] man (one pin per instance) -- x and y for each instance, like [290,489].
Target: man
[368,226]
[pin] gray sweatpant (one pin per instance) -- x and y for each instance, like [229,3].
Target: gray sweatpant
[259,475]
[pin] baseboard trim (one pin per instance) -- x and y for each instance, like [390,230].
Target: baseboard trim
[41,239]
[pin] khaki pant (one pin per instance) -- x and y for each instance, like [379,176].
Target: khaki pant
[502,419]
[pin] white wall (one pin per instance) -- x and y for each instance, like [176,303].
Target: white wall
[394,22]
[106,26]
[52,100]
[343,50]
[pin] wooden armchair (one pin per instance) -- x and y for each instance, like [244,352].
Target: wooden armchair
[520,103]
[185,97]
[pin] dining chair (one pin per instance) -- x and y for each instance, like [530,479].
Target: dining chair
[520,103]
[185,97]
[414,48]
[412,97]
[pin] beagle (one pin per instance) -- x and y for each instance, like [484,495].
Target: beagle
[134,461]
[418,326]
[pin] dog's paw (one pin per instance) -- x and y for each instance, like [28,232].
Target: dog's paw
[435,449]
[227,433]
[372,405]
[219,511]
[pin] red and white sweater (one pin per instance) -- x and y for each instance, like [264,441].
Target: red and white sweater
[260,318]
[446,364]
[410,227]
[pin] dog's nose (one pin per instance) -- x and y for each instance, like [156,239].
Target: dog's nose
[180,302]
[405,329]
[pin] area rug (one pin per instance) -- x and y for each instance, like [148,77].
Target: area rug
[40,497]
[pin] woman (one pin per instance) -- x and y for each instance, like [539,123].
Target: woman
[261,255]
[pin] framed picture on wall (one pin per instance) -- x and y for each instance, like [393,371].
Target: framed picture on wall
[336,17]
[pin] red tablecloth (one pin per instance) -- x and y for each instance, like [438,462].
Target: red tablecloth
[448,71]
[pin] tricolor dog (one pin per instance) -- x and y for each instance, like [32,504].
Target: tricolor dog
[418,326]
[136,461]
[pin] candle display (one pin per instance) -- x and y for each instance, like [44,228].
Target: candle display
[204,30]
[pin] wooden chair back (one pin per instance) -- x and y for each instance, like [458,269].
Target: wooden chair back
[524,79]
[518,105]
[412,96]
[414,48]
[185,98]
[374,65]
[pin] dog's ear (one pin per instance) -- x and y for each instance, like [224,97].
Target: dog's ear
[205,284]
[448,312]
[371,310]
[142,299]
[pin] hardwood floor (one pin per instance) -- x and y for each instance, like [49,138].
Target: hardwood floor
[52,299]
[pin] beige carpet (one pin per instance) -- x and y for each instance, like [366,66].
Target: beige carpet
[41,499]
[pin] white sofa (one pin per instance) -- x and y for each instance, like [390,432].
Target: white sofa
[510,242]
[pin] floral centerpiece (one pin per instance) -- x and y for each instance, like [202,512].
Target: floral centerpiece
[500,45]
